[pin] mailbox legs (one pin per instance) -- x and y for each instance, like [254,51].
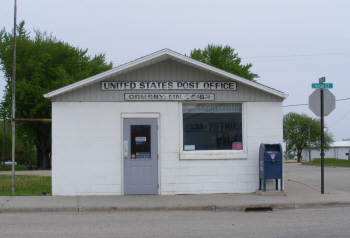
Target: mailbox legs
[264,184]
[276,184]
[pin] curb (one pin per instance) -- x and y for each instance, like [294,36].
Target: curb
[322,205]
[37,210]
[215,208]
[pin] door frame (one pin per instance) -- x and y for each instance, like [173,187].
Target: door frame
[136,115]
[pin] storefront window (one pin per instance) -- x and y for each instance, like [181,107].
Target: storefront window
[216,126]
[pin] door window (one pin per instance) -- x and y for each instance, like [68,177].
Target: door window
[140,141]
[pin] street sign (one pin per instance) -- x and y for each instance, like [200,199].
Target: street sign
[322,102]
[315,102]
[322,85]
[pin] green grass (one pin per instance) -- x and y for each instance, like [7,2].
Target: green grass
[25,185]
[9,167]
[330,162]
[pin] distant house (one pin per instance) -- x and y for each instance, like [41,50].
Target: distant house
[338,150]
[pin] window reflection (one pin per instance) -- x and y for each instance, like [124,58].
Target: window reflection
[216,126]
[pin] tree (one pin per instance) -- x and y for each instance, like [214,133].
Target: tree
[43,64]
[223,58]
[296,134]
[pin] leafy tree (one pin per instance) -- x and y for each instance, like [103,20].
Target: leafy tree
[296,133]
[223,58]
[43,64]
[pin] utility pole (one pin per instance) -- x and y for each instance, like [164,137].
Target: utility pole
[3,140]
[309,142]
[13,100]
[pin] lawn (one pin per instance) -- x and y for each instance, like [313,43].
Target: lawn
[25,185]
[9,167]
[330,162]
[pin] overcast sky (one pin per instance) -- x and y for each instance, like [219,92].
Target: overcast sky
[291,44]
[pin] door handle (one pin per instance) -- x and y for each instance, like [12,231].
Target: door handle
[125,149]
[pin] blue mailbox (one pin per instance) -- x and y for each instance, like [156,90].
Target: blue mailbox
[270,164]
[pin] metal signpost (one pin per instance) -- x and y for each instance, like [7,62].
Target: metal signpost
[317,106]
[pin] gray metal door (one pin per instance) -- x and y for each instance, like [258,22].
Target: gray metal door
[140,155]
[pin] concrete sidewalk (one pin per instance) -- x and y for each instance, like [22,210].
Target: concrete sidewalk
[299,194]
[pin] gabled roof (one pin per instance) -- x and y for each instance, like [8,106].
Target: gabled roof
[157,57]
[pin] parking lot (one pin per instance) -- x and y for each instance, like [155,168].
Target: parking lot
[335,178]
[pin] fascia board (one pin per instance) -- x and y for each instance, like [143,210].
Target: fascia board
[156,57]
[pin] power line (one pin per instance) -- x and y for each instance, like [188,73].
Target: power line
[296,57]
[296,105]
[285,56]
[343,99]
[258,58]
[340,119]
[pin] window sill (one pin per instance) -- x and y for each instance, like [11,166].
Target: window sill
[213,155]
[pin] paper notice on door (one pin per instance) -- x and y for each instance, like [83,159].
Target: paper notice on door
[140,140]
[143,155]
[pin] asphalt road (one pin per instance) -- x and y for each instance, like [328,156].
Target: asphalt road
[322,222]
[327,222]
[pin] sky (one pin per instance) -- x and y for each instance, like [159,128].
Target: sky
[291,44]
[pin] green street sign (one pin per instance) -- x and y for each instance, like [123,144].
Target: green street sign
[322,80]
[322,85]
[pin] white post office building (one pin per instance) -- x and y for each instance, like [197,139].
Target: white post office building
[162,124]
